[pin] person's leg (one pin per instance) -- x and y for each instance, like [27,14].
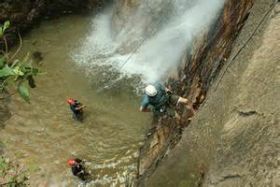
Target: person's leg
[74,116]
[82,176]
[79,116]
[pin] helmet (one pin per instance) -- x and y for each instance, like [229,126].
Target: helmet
[70,101]
[71,162]
[150,90]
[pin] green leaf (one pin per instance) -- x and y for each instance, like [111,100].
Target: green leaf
[24,92]
[15,63]
[6,71]
[3,164]
[29,70]
[6,25]
[1,32]
[26,58]
[2,62]
[17,71]
[35,71]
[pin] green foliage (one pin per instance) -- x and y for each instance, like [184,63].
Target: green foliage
[4,27]
[17,73]
[23,91]
[3,166]
[6,71]
[11,175]
[2,62]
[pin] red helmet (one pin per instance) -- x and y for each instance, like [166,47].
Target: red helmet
[70,101]
[71,162]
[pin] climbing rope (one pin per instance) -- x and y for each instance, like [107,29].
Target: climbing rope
[244,45]
[121,67]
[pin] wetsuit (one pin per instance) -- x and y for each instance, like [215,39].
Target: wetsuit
[79,170]
[77,113]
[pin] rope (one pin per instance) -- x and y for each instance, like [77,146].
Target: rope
[244,45]
[134,51]
[124,63]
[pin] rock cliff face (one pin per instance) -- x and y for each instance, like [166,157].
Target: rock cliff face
[234,138]
[248,153]
[202,65]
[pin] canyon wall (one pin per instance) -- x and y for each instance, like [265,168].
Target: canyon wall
[234,138]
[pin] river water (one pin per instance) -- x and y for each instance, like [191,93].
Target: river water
[42,135]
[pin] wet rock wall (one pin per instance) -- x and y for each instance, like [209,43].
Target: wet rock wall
[201,67]
[232,141]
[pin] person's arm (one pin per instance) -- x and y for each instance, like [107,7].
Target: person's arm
[145,104]
[79,107]
[142,109]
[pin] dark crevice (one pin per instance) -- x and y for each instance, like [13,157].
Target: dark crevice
[247,113]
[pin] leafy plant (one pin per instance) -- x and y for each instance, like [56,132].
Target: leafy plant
[3,166]
[11,175]
[3,28]
[16,73]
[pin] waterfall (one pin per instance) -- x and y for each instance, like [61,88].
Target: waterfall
[148,39]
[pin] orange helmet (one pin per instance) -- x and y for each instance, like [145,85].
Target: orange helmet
[71,162]
[70,101]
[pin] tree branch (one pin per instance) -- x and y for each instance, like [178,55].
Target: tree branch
[19,48]
[6,45]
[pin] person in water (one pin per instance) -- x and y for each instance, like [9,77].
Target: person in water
[160,99]
[77,108]
[78,169]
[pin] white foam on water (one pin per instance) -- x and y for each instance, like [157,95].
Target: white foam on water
[152,57]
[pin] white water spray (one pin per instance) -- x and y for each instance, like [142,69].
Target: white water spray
[153,39]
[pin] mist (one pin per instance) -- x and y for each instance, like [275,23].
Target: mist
[152,40]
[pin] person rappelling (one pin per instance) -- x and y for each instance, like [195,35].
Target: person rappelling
[159,99]
[77,109]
